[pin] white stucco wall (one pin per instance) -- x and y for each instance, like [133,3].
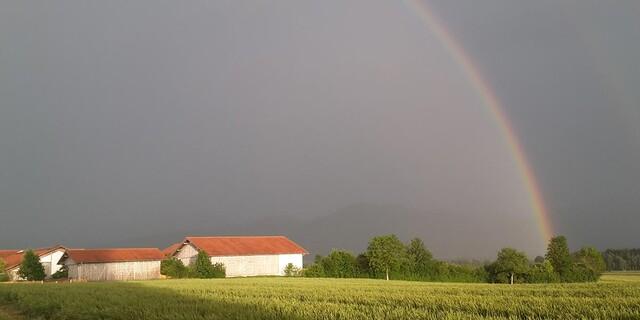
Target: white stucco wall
[284,259]
[51,260]
[247,266]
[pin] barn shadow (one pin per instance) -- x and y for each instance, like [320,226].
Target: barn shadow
[134,300]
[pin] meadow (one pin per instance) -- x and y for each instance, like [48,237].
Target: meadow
[616,296]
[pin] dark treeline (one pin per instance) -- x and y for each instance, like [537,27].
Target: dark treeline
[622,259]
[386,257]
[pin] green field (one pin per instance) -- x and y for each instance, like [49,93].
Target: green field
[617,296]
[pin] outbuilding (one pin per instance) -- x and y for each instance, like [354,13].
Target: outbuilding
[48,258]
[113,264]
[244,256]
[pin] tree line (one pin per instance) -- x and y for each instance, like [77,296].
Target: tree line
[622,259]
[386,257]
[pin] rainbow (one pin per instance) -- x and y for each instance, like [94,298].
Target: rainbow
[491,101]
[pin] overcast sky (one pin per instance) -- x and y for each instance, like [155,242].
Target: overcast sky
[120,120]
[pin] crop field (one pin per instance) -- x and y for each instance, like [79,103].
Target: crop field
[616,296]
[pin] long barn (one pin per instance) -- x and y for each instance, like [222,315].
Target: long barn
[243,256]
[113,264]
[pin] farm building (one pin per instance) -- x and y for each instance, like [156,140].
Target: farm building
[113,264]
[244,256]
[48,257]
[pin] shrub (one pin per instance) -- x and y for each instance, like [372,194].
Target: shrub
[3,276]
[313,271]
[173,268]
[203,268]
[63,273]
[219,270]
[291,270]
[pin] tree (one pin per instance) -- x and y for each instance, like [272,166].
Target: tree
[542,273]
[340,264]
[539,259]
[203,268]
[386,253]
[31,269]
[511,263]
[362,261]
[290,270]
[3,275]
[420,259]
[558,255]
[591,258]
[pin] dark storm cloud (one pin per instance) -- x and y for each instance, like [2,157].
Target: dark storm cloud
[567,72]
[136,123]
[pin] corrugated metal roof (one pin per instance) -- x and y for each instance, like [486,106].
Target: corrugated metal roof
[114,255]
[246,245]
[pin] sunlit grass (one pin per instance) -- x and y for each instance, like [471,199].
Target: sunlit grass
[300,298]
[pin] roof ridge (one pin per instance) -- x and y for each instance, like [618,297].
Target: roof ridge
[136,248]
[268,236]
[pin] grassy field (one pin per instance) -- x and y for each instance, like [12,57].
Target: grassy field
[617,296]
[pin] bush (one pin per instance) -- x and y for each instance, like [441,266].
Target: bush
[313,271]
[173,268]
[219,270]
[203,268]
[3,276]
[63,273]
[31,269]
[291,270]
[542,273]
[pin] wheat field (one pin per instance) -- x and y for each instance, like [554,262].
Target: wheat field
[616,296]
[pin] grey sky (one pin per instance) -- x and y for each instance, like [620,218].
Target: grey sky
[134,123]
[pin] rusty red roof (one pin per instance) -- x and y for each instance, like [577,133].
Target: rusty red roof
[4,253]
[114,255]
[15,259]
[170,250]
[246,245]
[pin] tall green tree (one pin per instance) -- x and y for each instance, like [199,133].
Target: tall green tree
[202,268]
[386,253]
[559,256]
[511,263]
[420,259]
[31,269]
[340,264]
[3,275]
[591,258]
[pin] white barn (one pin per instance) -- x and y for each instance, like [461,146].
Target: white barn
[244,256]
[49,258]
[113,264]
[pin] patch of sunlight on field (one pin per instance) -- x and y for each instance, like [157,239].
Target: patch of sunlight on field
[622,276]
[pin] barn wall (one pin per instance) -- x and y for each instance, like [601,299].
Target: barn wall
[245,266]
[284,259]
[120,271]
[187,254]
[50,262]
